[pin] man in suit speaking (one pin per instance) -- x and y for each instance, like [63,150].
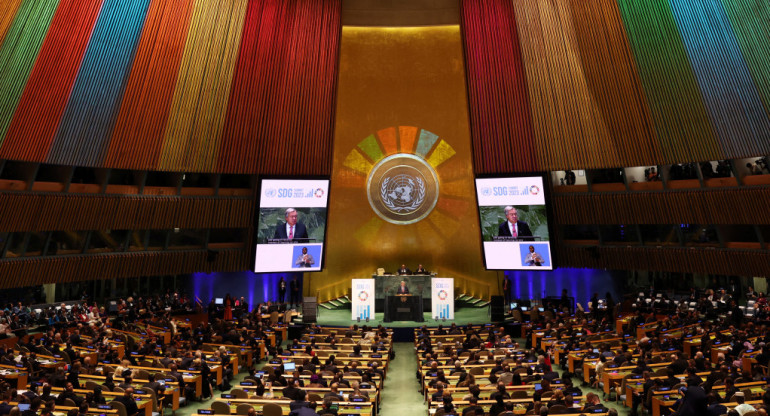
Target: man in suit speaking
[291,229]
[512,227]
[402,289]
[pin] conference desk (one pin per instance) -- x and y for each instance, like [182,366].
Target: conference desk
[403,308]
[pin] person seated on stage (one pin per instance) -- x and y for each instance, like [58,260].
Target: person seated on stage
[420,270]
[402,290]
[403,270]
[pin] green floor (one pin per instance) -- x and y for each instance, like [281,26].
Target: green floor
[401,396]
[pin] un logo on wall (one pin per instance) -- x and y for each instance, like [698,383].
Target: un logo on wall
[402,188]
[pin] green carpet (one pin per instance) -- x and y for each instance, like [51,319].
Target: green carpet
[401,395]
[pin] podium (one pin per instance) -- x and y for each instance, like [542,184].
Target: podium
[403,308]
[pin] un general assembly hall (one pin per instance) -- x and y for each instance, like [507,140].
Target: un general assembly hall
[383,207]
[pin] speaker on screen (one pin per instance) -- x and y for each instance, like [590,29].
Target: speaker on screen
[497,306]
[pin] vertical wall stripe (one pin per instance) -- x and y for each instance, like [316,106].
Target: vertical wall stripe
[612,78]
[736,110]
[749,19]
[37,116]
[501,120]
[203,88]
[562,105]
[681,120]
[281,107]
[8,10]
[139,130]
[18,53]
[87,124]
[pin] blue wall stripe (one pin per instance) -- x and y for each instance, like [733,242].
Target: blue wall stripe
[728,89]
[89,118]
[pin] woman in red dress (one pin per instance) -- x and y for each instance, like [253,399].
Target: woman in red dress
[228,308]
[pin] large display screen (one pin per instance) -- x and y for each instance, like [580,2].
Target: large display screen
[291,225]
[514,223]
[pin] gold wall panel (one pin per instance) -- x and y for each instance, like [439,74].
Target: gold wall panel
[398,89]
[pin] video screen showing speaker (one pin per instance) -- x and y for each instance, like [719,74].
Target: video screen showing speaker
[514,220]
[291,225]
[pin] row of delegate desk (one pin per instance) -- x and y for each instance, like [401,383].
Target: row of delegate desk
[345,346]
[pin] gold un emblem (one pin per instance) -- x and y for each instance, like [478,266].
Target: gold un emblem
[402,189]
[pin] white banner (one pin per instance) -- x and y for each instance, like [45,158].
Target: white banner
[362,299]
[443,297]
[510,191]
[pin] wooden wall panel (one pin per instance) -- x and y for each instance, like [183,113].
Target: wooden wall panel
[698,206]
[48,212]
[675,259]
[37,271]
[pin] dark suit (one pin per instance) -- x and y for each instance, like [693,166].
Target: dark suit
[523,229]
[402,290]
[303,411]
[404,271]
[131,407]
[299,231]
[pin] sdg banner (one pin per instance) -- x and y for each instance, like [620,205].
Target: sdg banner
[362,299]
[443,297]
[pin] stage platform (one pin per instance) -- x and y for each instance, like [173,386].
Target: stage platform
[403,331]
[463,316]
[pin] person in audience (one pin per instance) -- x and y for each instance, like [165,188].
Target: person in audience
[326,408]
[715,408]
[5,406]
[127,399]
[97,397]
[34,407]
[473,407]
[299,401]
[593,404]
[742,407]
[497,407]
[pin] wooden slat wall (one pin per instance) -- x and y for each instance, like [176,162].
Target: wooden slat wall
[37,271]
[699,206]
[47,212]
[675,259]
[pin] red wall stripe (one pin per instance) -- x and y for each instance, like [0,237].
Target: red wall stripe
[48,88]
[501,123]
[138,136]
[281,109]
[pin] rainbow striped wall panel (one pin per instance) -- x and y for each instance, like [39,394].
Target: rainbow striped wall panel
[749,20]
[18,53]
[736,110]
[152,84]
[45,96]
[200,100]
[141,123]
[615,83]
[87,123]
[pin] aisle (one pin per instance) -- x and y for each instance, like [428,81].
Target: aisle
[401,395]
